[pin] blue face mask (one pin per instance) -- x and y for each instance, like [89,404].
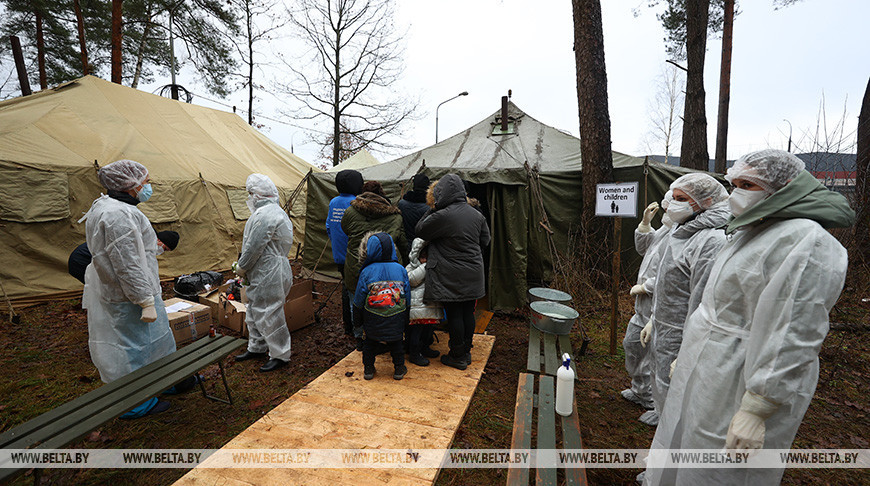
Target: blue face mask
[144,194]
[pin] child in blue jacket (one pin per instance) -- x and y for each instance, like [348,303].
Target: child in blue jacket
[381,302]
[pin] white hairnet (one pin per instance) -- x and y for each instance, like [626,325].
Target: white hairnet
[771,169]
[702,188]
[261,187]
[666,200]
[122,175]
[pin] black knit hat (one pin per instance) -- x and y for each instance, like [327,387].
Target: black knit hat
[169,238]
[421,182]
[349,181]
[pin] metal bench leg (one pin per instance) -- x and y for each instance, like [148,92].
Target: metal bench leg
[229,400]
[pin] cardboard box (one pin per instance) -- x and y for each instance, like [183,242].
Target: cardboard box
[190,322]
[299,306]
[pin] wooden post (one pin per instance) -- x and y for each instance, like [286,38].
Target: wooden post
[614,299]
[19,65]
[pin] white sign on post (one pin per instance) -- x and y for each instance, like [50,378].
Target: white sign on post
[616,200]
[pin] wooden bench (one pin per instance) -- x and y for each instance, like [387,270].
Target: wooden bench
[545,403]
[73,420]
[549,361]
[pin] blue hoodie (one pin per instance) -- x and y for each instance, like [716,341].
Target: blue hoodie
[381,301]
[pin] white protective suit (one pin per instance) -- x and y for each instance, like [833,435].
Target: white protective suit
[686,261]
[417,277]
[121,279]
[759,327]
[651,246]
[267,240]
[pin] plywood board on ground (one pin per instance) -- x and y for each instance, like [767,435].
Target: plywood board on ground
[337,411]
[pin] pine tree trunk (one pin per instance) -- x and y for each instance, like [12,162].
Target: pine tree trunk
[80,22]
[693,153]
[117,22]
[724,88]
[250,63]
[862,180]
[595,148]
[40,51]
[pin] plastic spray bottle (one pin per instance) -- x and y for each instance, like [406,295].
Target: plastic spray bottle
[565,387]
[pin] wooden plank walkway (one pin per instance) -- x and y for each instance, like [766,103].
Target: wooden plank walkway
[335,411]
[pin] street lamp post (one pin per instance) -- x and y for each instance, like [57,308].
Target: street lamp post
[464,93]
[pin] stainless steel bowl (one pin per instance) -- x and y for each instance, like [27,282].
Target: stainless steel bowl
[542,293]
[553,317]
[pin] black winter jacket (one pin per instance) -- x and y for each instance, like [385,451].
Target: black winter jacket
[413,206]
[457,234]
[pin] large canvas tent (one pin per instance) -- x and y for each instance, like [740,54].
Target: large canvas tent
[52,142]
[357,161]
[528,179]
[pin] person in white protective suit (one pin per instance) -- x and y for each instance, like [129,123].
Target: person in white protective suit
[749,363]
[127,323]
[649,244]
[699,210]
[267,240]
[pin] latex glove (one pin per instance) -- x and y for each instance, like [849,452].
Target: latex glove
[149,314]
[648,213]
[238,270]
[746,430]
[673,365]
[638,290]
[646,334]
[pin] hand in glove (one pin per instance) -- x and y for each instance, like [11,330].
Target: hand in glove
[638,290]
[648,214]
[646,334]
[149,314]
[746,430]
[673,365]
[238,270]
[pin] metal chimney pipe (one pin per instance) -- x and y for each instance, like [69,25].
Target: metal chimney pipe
[504,114]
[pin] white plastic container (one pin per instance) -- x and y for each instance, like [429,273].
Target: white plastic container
[565,387]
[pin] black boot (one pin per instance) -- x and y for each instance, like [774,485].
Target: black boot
[249,355]
[399,372]
[429,352]
[272,365]
[418,360]
[458,363]
[369,372]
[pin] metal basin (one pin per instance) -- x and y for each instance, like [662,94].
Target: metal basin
[542,293]
[553,317]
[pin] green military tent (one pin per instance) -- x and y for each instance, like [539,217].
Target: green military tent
[528,179]
[52,142]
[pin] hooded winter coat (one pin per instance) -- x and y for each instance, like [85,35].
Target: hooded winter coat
[417,277]
[382,293]
[457,234]
[369,213]
[349,184]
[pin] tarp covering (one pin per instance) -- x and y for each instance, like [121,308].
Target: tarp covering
[507,171]
[52,142]
[357,161]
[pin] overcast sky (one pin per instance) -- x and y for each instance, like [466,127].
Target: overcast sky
[783,63]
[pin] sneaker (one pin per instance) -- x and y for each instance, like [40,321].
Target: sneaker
[650,418]
[369,372]
[429,352]
[458,363]
[400,372]
[632,397]
[419,360]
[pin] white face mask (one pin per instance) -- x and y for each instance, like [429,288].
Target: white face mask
[741,200]
[667,221]
[250,203]
[679,211]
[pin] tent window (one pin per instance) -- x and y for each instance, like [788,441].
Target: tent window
[33,196]
[511,129]
[161,208]
[237,198]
